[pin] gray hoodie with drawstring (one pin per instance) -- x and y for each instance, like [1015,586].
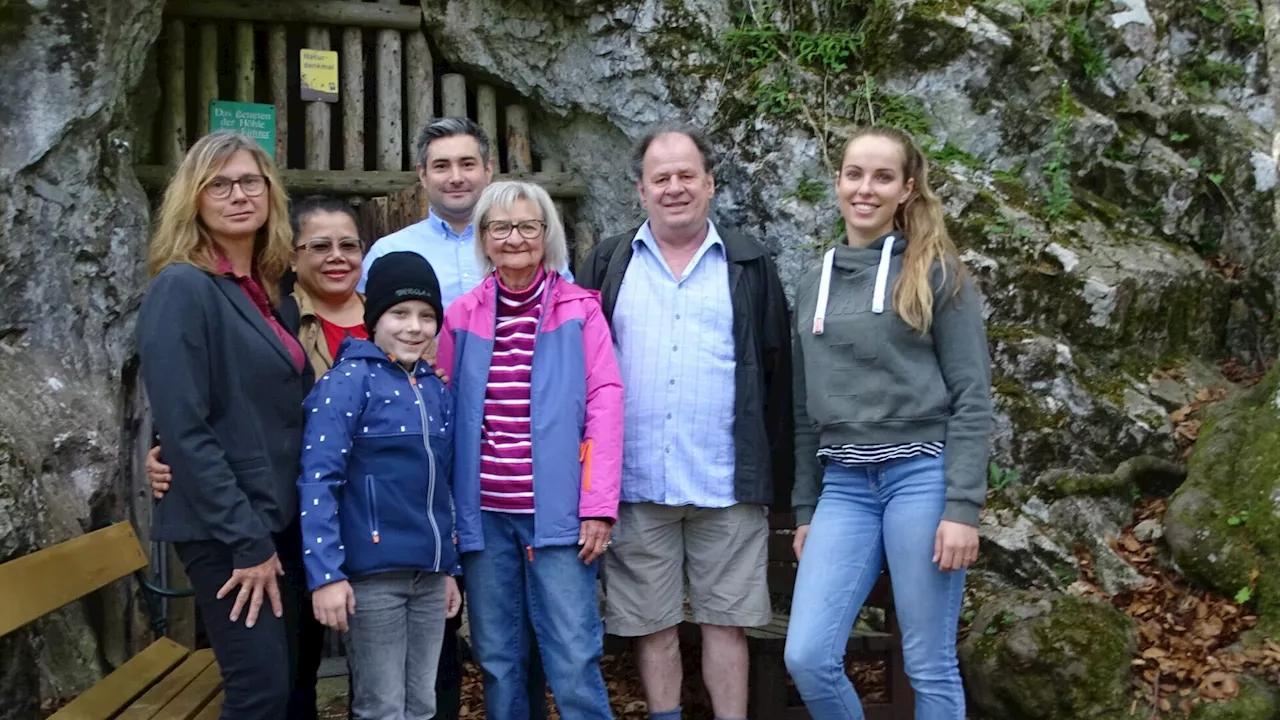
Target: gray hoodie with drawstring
[867,377]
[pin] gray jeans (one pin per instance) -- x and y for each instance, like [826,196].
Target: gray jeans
[394,645]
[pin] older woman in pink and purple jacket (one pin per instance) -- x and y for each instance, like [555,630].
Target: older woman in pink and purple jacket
[538,456]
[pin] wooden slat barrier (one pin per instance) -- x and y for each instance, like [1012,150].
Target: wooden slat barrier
[335,155]
[44,581]
[130,680]
[163,692]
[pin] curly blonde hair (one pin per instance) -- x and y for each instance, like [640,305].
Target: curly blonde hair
[921,219]
[181,236]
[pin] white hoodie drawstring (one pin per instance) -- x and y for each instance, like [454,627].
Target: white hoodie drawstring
[824,291]
[882,275]
[824,284]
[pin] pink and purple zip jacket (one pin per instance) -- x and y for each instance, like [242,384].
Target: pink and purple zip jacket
[575,410]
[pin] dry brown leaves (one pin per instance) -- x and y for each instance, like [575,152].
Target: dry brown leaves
[1224,266]
[1243,375]
[1186,427]
[1185,636]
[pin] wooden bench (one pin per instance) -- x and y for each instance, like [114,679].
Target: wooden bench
[771,697]
[166,681]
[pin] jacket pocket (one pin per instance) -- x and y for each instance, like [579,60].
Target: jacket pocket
[372,493]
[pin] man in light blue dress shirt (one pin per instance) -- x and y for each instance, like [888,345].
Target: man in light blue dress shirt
[700,328]
[455,166]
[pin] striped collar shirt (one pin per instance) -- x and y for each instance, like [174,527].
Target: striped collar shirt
[674,342]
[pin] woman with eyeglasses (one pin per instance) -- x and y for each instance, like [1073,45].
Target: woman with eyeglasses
[537,456]
[226,380]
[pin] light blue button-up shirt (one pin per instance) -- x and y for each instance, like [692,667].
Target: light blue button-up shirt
[674,342]
[452,255]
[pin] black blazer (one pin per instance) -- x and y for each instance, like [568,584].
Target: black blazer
[227,402]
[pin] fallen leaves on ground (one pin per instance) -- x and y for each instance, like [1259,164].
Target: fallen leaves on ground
[1187,638]
[1186,427]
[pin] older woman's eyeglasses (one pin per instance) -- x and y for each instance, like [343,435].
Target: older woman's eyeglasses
[501,229]
[322,247]
[251,185]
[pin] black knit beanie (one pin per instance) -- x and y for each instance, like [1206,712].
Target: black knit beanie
[395,278]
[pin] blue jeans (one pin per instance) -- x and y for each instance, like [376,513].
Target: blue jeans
[890,509]
[511,585]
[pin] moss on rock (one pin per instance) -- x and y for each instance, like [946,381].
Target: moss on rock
[1048,657]
[1258,700]
[1234,473]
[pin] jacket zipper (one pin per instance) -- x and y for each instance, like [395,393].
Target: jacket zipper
[373,507]
[431,462]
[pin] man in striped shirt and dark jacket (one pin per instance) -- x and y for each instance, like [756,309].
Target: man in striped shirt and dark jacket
[700,328]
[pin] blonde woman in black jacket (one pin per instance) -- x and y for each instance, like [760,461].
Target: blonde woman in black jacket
[226,382]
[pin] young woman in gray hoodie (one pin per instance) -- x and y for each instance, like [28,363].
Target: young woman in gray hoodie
[893,422]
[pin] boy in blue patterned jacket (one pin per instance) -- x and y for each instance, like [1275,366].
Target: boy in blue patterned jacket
[376,503]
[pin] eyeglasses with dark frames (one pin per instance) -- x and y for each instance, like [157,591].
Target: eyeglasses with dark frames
[251,185]
[501,229]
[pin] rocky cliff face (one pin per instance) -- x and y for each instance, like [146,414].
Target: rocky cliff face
[73,228]
[1107,169]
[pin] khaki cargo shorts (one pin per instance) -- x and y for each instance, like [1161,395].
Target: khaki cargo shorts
[722,554]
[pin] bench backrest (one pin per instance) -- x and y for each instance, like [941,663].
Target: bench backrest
[37,584]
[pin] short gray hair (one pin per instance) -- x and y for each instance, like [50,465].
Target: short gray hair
[642,147]
[452,127]
[505,194]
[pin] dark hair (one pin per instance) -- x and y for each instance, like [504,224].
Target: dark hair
[452,127]
[303,208]
[642,147]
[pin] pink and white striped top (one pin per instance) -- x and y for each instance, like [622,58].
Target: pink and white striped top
[506,448]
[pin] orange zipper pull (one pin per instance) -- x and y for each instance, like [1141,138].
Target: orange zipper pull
[529,549]
[376,539]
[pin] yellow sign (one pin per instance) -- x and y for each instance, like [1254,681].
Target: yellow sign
[319,75]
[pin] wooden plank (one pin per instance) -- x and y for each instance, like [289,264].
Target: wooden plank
[246,65]
[487,118]
[213,710]
[369,183]
[278,78]
[318,138]
[173,145]
[208,75]
[314,12]
[389,155]
[352,93]
[163,692]
[419,84]
[130,680]
[519,152]
[37,584]
[194,697]
[453,94]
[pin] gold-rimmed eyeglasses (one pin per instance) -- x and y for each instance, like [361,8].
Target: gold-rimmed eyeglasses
[321,247]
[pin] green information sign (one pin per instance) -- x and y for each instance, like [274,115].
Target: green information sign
[256,120]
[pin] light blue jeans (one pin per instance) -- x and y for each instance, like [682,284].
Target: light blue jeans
[890,509]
